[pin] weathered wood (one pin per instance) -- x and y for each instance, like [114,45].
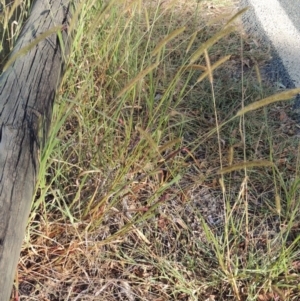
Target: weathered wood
[27,91]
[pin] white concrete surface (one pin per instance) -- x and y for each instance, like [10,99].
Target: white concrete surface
[280,19]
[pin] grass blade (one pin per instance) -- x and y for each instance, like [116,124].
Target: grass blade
[101,16]
[137,78]
[167,39]
[149,139]
[210,42]
[250,164]
[208,65]
[195,67]
[213,67]
[286,95]
[237,15]
[28,47]
[191,41]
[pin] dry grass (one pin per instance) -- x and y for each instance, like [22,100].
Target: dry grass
[12,16]
[131,204]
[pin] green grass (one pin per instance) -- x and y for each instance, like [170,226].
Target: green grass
[130,202]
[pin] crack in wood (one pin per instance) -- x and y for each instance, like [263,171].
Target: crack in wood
[27,92]
[67,15]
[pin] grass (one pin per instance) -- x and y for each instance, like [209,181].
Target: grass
[12,16]
[157,183]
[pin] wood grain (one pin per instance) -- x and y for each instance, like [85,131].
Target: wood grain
[27,93]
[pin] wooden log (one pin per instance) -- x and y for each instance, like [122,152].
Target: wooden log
[27,91]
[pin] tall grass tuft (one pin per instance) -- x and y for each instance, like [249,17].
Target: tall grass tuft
[150,186]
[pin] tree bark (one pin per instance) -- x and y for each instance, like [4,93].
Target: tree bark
[27,92]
